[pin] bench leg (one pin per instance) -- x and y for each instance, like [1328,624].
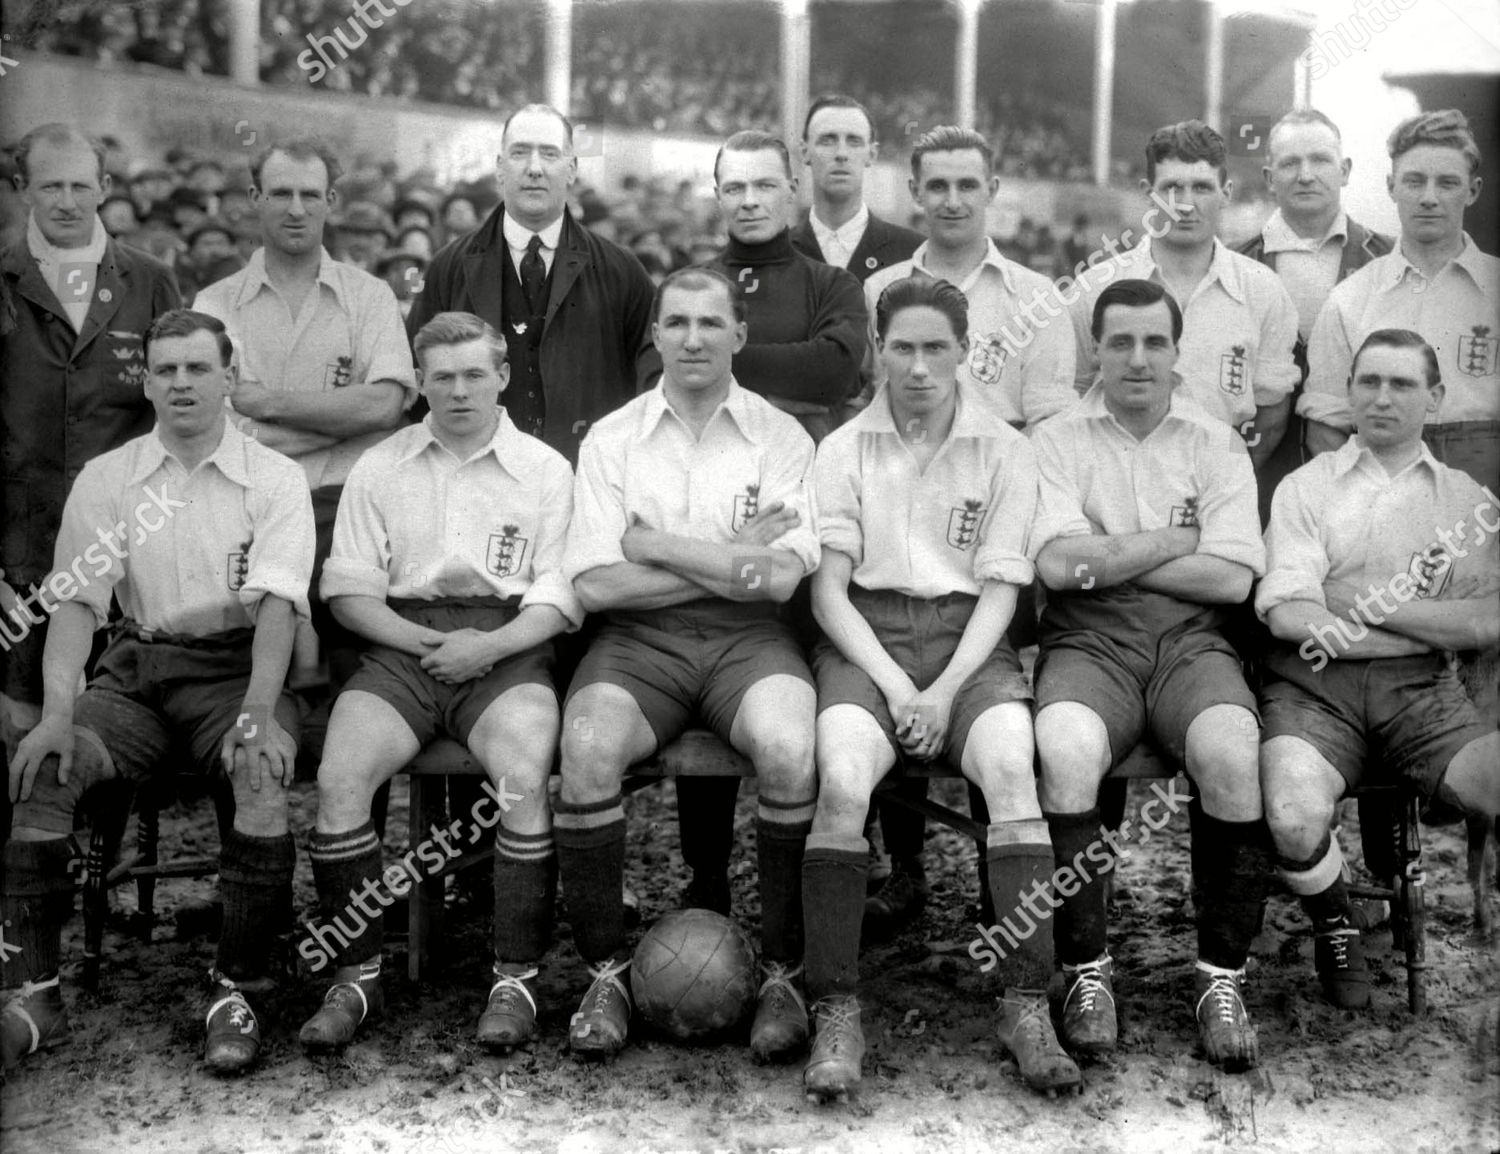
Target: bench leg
[425,901]
[1410,891]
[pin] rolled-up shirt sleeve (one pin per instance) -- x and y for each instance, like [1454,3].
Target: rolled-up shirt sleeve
[837,489]
[359,563]
[280,562]
[1297,563]
[1002,552]
[1059,503]
[599,523]
[1228,517]
[788,477]
[548,584]
[1329,356]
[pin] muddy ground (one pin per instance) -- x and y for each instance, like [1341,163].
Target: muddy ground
[132,1079]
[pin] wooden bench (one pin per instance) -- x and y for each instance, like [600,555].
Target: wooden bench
[697,753]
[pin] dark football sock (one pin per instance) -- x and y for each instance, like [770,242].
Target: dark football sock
[38,897]
[705,821]
[344,864]
[905,830]
[591,858]
[781,830]
[1319,883]
[255,882]
[1232,863]
[833,898]
[1081,932]
[525,891]
[1019,862]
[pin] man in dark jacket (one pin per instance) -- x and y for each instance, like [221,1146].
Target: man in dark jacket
[838,147]
[1310,242]
[575,309]
[74,305]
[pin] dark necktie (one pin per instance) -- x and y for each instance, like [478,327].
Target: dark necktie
[533,273]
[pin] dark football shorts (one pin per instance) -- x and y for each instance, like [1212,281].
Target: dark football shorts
[431,707]
[699,658]
[921,637]
[153,696]
[1142,661]
[1408,716]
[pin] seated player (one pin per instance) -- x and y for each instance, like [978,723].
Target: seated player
[924,504]
[1381,564]
[692,522]
[447,557]
[1146,536]
[206,539]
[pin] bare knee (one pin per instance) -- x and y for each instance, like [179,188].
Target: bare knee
[1074,749]
[1301,792]
[783,759]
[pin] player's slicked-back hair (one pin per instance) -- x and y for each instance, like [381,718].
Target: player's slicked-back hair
[184,323]
[459,329]
[1399,339]
[694,279]
[1188,141]
[298,148]
[1135,294]
[751,140]
[550,111]
[58,135]
[923,292]
[1303,116]
[1444,128]
[950,138]
[837,100]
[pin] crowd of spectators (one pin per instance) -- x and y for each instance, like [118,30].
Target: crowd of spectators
[648,64]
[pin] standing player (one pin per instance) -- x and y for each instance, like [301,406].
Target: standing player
[1019,364]
[1437,283]
[925,500]
[1146,535]
[1024,380]
[691,522]
[1369,592]
[76,306]
[325,370]
[574,308]
[447,558]
[1310,242]
[1239,325]
[806,320]
[212,581]
[838,147]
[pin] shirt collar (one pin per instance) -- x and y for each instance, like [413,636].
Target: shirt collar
[47,252]
[330,273]
[853,228]
[993,258]
[1351,455]
[503,444]
[1222,266]
[1469,258]
[229,456]
[1279,236]
[517,235]
[969,419]
[736,406]
[1180,407]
